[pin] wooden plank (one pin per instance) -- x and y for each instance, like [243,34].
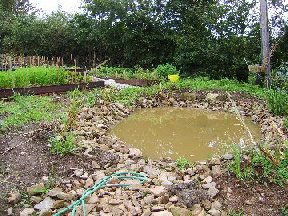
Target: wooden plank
[4,93]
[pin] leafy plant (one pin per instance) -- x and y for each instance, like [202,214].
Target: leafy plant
[286,123]
[236,213]
[166,69]
[182,163]
[63,145]
[259,166]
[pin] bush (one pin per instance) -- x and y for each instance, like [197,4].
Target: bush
[63,145]
[166,69]
[280,77]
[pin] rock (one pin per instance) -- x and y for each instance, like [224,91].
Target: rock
[135,153]
[54,192]
[95,165]
[157,208]
[228,156]
[45,212]
[78,172]
[211,96]
[158,191]
[197,210]
[27,212]
[65,196]
[84,176]
[209,185]
[93,199]
[214,212]
[59,204]
[162,213]
[216,205]
[14,198]
[151,171]
[216,170]
[47,203]
[148,199]
[206,204]
[89,183]
[212,192]
[208,179]
[36,199]
[36,189]
[9,211]
[115,202]
[146,213]
[177,211]
[173,199]
[98,175]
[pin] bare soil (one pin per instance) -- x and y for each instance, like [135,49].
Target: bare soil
[252,198]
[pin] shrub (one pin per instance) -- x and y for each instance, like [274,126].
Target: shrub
[166,69]
[182,163]
[63,145]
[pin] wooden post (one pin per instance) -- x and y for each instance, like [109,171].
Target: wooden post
[265,46]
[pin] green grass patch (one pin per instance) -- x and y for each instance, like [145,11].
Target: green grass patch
[26,109]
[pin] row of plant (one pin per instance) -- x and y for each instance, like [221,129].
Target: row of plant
[38,76]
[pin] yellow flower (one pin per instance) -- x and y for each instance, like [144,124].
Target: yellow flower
[173,78]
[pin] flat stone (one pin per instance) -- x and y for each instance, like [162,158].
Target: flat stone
[115,202]
[158,191]
[146,212]
[209,185]
[162,213]
[177,211]
[93,199]
[212,192]
[148,199]
[78,172]
[47,203]
[173,199]
[36,189]
[54,192]
[9,211]
[27,212]
[59,204]
[157,208]
[14,198]
[65,196]
[36,199]
[135,153]
[217,205]
[214,212]
[89,183]
[228,156]
[208,179]
[45,212]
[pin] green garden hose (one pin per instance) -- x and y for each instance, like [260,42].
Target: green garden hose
[101,184]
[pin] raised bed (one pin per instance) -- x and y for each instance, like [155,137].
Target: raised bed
[4,93]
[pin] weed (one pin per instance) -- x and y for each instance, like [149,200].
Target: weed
[236,213]
[284,211]
[285,123]
[182,163]
[259,166]
[63,145]
[278,102]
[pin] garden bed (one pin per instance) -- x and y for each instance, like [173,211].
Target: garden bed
[197,190]
[4,93]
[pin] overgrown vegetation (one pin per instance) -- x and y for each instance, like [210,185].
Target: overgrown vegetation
[27,109]
[257,164]
[38,76]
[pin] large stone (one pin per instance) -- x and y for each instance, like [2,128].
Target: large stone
[177,211]
[214,212]
[59,204]
[135,153]
[36,189]
[158,191]
[45,212]
[27,212]
[14,198]
[47,203]
[212,192]
[162,213]
[54,192]
[211,96]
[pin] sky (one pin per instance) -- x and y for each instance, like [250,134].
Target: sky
[51,5]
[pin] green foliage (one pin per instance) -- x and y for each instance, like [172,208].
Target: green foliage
[125,73]
[259,166]
[286,123]
[278,102]
[280,77]
[26,109]
[164,70]
[182,163]
[284,211]
[236,213]
[36,76]
[63,145]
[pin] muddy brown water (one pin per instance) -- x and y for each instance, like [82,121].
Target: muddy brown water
[182,132]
